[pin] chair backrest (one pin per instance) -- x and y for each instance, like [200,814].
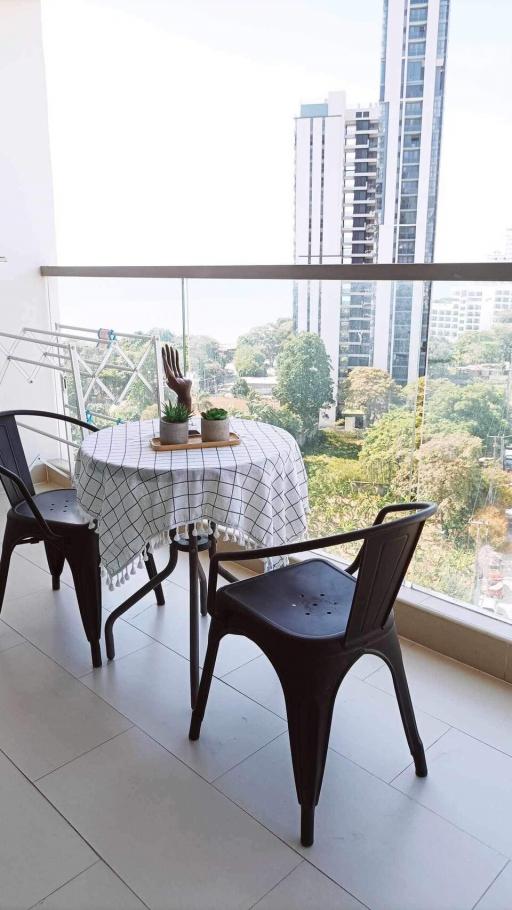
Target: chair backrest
[13,458]
[385,556]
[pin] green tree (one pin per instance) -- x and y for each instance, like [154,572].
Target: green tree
[493,346]
[269,338]
[387,454]
[207,360]
[240,388]
[278,417]
[370,390]
[450,474]
[304,377]
[478,408]
[250,361]
[440,358]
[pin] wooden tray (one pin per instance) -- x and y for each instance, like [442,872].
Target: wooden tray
[194,442]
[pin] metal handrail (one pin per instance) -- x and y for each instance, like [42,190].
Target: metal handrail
[417,271]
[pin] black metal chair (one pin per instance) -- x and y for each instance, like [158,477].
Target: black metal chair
[56,519]
[313,620]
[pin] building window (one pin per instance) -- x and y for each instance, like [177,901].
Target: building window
[418,15]
[410,171]
[417,49]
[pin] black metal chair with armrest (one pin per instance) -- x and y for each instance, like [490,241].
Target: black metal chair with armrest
[313,620]
[56,519]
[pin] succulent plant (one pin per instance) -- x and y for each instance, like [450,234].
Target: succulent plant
[214,414]
[175,413]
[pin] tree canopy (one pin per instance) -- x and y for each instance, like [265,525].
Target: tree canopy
[304,377]
[250,361]
[478,408]
[269,339]
[388,448]
[370,390]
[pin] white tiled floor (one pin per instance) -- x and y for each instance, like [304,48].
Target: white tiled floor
[106,804]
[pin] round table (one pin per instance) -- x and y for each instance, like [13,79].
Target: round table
[139,499]
[256,490]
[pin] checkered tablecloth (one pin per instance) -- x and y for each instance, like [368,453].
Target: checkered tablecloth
[256,492]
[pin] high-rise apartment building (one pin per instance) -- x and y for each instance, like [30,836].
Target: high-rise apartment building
[412,90]
[366,183]
[335,222]
[470,308]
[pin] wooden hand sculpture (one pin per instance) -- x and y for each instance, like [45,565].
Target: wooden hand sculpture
[174,377]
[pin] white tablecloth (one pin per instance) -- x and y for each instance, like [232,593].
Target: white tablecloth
[257,491]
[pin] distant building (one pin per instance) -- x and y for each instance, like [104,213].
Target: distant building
[335,222]
[366,181]
[470,308]
[263,385]
[412,92]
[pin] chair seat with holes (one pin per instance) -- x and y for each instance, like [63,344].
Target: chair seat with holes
[312,598]
[56,506]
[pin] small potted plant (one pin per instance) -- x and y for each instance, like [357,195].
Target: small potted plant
[174,424]
[215,425]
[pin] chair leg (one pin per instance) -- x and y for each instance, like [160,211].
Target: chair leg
[309,725]
[8,546]
[152,571]
[56,560]
[392,654]
[203,589]
[193,574]
[84,559]
[214,637]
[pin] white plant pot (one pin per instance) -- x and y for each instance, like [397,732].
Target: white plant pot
[215,430]
[173,433]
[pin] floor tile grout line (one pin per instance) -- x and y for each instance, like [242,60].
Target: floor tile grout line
[201,778]
[37,780]
[72,879]
[475,906]
[441,719]
[386,784]
[452,824]
[433,743]
[235,669]
[90,671]
[451,725]
[184,657]
[307,862]
[281,880]
[52,806]
[17,644]
[238,763]
[230,799]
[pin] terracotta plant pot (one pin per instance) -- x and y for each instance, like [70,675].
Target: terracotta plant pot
[173,433]
[215,430]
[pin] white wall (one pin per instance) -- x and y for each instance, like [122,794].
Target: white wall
[27,236]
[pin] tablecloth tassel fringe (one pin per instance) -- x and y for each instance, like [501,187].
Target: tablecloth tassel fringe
[145,551]
[133,569]
[140,563]
[117,580]
[126,575]
[194,529]
[110,583]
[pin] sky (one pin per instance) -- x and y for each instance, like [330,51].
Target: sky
[172,133]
